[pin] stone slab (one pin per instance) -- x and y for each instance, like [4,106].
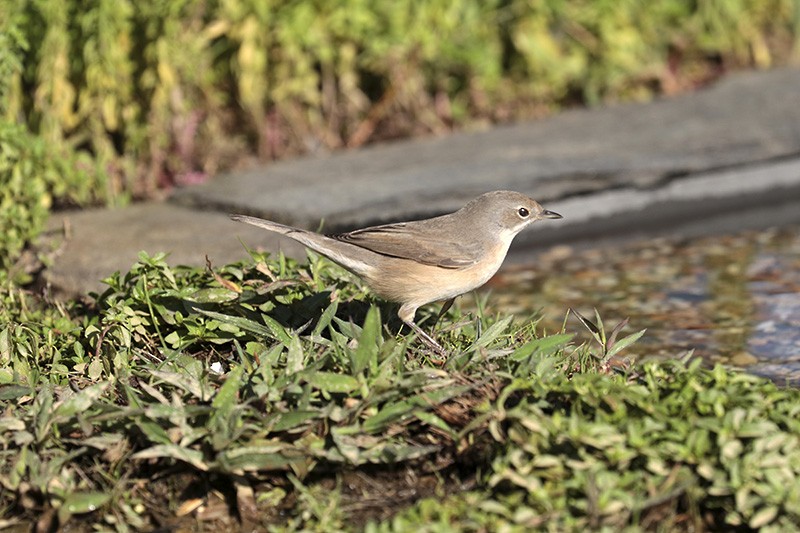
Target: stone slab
[747,117]
[755,196]
[100,242]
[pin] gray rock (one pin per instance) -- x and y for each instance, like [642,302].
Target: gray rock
[100,242]
[747,117]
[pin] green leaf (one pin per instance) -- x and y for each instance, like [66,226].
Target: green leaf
[85,502]
[80,402]
[325,318]
[5,346]
[600,327]
[95,369]
[173,451]
[240,322]
[290,419]
[12,392]
[332,382]
[184,381]
[495,331]
[258,458]
[349,329]
[368,342]
[295,358]
[173,339]
[614,332]
[81,503]
[103,442]
[434,421]
[544,346]
[624,343]
[397,453]
[225,398]
[278,331]
[397,411]
[152,431]
[215,295]
[763,517]
[390,413]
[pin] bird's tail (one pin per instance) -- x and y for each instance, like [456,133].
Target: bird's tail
[266,224]
[352,257]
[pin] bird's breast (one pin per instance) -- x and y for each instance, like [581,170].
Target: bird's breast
[406,281]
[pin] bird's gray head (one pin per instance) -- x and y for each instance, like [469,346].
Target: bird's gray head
[508,211]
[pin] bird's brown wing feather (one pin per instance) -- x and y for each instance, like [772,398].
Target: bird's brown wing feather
[403,240]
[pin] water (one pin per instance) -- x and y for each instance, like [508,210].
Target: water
[733,299]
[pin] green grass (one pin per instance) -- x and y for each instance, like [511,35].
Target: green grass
[281,396]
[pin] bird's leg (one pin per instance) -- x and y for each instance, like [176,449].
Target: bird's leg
[428,340]
[406,314]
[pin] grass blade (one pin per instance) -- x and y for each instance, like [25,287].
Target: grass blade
[368,342]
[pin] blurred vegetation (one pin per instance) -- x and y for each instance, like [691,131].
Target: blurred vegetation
[34,174]
[164,93]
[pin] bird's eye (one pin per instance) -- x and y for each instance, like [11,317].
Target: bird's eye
[523,212]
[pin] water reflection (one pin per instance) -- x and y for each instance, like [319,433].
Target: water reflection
[732,298]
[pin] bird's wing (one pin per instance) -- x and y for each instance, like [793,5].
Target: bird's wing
[409,240]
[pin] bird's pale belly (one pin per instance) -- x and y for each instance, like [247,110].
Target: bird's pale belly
[407,281]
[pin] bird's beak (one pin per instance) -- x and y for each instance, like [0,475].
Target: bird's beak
[550,214]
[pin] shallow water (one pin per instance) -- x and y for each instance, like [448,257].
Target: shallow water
[733,298]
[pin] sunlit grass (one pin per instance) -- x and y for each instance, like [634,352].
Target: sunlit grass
[268,393]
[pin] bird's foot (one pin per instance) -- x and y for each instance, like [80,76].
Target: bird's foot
[431,343]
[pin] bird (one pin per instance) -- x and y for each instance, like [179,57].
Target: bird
[424,261]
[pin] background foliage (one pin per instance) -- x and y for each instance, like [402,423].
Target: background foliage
[166,92]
